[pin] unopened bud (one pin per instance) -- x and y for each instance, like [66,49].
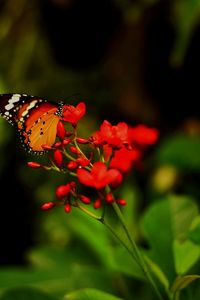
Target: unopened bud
[74,150]
[97,203]
[84,199]
[109,198]
[72,165]
[121,202]
[63,190]
[47,206]
[33,164]
[46,147]
[61,131]
[58,158]
[67,208]
[82,141]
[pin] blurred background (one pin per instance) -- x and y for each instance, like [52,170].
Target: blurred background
[132,61]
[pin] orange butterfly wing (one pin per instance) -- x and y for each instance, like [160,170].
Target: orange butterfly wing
[43,130]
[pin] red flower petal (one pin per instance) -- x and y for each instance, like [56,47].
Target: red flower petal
[113,177]
[85,177]
[143,135]
[73,114]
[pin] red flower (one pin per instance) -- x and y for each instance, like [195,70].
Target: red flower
[99,176]
[97,140]
[73,114]
[143,135]
[123,159]
[114,136]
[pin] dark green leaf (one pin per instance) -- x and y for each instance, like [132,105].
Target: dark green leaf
[186,19]
[180,151]
[26,294]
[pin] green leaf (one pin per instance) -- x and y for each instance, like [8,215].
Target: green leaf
[186,255]
[54,281]
[158,273]
[90,294]
[180,151]
[87,230]
[26,293]
[194,233]
[163,222]
[123,263]
[183,281]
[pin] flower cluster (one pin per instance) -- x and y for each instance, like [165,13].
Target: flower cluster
[111,152]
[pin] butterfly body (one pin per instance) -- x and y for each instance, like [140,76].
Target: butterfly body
[35,118]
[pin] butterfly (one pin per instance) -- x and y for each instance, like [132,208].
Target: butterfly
[35,118]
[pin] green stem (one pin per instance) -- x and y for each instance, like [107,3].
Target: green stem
[136,251]
[118,238]
[89,213]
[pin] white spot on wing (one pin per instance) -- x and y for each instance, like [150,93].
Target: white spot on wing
[31,105]
[13,99]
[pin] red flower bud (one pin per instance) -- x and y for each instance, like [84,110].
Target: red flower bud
[47,206]
[82,141]
[63,190]
[121,202]
[83,162]
[66,142]
[68,133]
[33,164]
[72,165]
[84,199]
[74,150]
[67,208]
[58,158]
[97,203]
[57,145]
[109,198]
[46,147]
[61,131]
